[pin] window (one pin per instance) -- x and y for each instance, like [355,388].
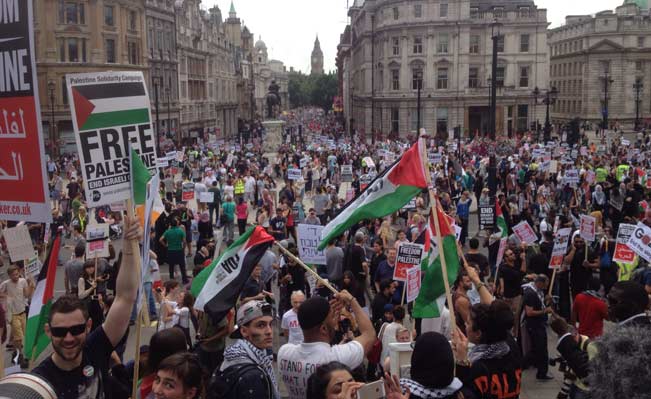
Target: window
[417,77]
[108,16]
[442,78]
[71,12]
[443,43]
[523,116]
[396,13]
[110,51]
[395,44]
[133,20]
[418,10]
[605,66]
[132,48]
[474,12]
[474,44]
[443,10]
[442,120]
[395,120]
[395,79]
[639,66]
[184,89]
[524,43]
[524,76]
[473,77]
[73,50]
[524,12]
[64,91]
[418,45]
[500,44]
[380,79]
[640,41]
[605,22]
[498,12]
[499,76]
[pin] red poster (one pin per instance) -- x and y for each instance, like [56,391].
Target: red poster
[23,182]
[409,255]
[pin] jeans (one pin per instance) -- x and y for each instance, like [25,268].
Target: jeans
[151,302]
[228,231]
[211,210]
[177,257]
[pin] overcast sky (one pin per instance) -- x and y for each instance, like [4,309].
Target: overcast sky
[289,27]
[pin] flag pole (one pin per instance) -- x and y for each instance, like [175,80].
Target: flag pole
[437,230]
[135,250]
[307,268]
[551,282]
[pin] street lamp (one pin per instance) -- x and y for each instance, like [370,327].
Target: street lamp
[51,87]
[549,99]
[638,86]
[156,81]
[604,112]
[536,94]
[495,36]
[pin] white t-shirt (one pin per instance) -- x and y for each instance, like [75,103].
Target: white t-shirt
[183,316]
[290,322]
[175,318]
[296,363]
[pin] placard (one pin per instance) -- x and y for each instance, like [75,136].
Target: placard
[294,174]
[19,243]
[350,194]
[309,237]
[206,196]
[364,181]
[640,241]
[110,116]
[588,228]
[525,233]
[188,191]
[623,253]
[410,206]
[162,162]
[33,266]
[616,202]
[571,177]
[409,255]
[22,152]
[346,173]
[413,283]
[304,162]
[486,217]
[97,245]
[590,177]
[561,240]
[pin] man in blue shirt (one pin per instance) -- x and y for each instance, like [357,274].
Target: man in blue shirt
[463,213]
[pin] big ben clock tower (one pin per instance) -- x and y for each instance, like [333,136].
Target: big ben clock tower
[317,58]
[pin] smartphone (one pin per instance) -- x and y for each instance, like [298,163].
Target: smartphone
[374,390]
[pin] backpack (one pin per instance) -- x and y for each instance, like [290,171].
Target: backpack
[222,382]
[376,350]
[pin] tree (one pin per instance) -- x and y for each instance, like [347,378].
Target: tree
[312,90]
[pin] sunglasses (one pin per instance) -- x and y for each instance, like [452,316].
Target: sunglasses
[61,332]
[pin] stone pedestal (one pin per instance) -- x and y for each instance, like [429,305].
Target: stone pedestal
[274,136]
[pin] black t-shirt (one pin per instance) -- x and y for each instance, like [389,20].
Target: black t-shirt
[354,261]
[531,298]
[481,261]
[579,275]
[278,224]
[87,381]
[251,288]
[512,280]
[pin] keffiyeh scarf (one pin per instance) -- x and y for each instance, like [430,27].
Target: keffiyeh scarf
[489,351]
[242,351]
[423,392]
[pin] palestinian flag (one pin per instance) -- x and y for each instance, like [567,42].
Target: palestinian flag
[35,338]
[140,179]
[390,191]
[109,104]
[500,221]
[218,286]
[431,298]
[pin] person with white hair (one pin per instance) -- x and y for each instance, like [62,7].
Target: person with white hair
[289,324]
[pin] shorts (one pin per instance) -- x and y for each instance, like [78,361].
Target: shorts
[18,324]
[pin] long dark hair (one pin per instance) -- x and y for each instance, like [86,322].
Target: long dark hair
[494,321]
[317,384]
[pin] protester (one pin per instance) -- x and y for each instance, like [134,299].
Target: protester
[289,324]
[15,292]
[162,344]
[179,376]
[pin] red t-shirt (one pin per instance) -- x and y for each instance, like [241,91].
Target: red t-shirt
[590,313]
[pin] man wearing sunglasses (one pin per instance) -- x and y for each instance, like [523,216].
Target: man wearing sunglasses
[79,366]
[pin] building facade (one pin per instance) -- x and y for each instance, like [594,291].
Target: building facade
[317,58]
[163,66]
[394,46]
[76,36]
[264,72]
[610,49]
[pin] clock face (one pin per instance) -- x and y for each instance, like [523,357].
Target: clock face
[314,60]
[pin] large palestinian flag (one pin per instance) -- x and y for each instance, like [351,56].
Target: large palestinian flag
[219,285]
[104,105]
[389,192]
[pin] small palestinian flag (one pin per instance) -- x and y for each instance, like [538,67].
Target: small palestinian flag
[219,285]
[109,104]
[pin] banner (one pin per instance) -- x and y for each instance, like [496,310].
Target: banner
[588,228]
[623,253]
[187,193]
[561,239]
[409,255]
[309,236]
[206,196]
[525,233]
[19,243]
[97,245]
[22,153]
[640,241]
[110,115]
[346,173]
[413,283]
[294,174]
[33,266]
[486,217]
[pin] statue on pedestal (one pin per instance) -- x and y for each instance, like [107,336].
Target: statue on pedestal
[273,100]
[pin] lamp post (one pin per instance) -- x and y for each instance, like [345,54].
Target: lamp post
[168,91]
[156,81]
[495,36]
[536,94]
[638,86]
[604,112]
[419,82]
[550,99]
[51,87]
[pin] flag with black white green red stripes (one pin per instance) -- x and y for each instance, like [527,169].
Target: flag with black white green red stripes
[111,116]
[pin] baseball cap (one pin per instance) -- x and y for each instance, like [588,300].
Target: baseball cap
[248,312]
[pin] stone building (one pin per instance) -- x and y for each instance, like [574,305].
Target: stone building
[317,58]
[76,36]
[265,71]
[588,52]
[392,46]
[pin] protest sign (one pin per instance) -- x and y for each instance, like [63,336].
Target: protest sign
[588,227]
[616,201]
[110,115]
[309,237]
[525,233]
[162,162]
[294,174]
[97,236]
[623,253]
[640,241]
[368,161]
[411,205]
[118,206]
[590,177]
[206,196]
[553,166]
[561,239]
[22,151]
[626,142]
[304,162]
[413,283]
[500,251]
[486,217]
[350,194]
[19,243]
[187,191]
[571,177]
[457,231]
[364,181]
[409,255]
[346,173]
[33,266]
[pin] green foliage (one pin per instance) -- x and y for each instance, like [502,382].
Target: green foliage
[312,90]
